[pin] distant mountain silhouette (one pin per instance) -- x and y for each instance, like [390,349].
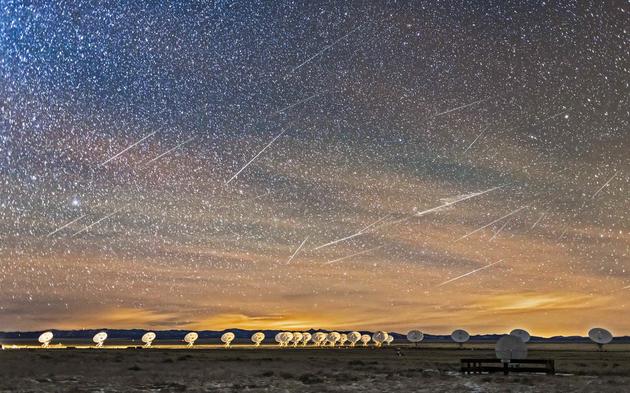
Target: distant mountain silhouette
[243,335]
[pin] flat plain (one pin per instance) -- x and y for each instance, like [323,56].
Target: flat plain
[211,368]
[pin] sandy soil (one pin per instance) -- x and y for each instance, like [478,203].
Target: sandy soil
[404,369]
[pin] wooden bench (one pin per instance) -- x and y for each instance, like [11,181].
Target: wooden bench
[478,366]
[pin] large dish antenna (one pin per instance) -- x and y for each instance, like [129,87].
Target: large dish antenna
[258,338]
[460,336]
[600,336]
[190,338]
[227,338]
[297,338]
[415,336]
[354,337]
[510,348]
[45,339]
[379,338]
[99,339]
[522,334]
[148,339]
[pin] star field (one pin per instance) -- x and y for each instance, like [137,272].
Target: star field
[379,165]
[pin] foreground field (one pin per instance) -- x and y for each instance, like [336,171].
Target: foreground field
[426,369]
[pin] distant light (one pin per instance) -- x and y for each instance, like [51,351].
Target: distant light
[76,202]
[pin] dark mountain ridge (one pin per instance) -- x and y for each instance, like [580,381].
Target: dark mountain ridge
[241,334]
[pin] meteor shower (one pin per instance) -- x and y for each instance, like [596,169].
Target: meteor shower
[310,196]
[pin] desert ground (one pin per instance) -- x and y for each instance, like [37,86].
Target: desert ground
[210,368]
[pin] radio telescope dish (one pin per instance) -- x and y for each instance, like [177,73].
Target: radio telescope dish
[227,338]
[365,339]
[354,337]
[379,338]
[297,338]
[522,334]
[319,338]
[415,336]
[99,339]
[510,347]
[257,338]
[343,338]
[286,338]
[148,339]
[332,338]
[190,338]
[460,337]
[45,339]
[306,337]
[278,338]
[600,337]
[390,339]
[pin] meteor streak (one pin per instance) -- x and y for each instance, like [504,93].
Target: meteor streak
[538,221]
[605,184]
[555,115]
[126,149]
[297,250]
[473,142]
[256,156]
[422,213]
[473,195]
[353,255]
[320,52]
[361,232]
[95,223]
[499,231]
[491,223]
[305,100]
[461,107]
[65,225]
[469,273]
[168,151]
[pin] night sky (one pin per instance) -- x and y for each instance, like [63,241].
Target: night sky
[316,164]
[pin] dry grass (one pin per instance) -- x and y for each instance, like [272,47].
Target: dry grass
[404,368]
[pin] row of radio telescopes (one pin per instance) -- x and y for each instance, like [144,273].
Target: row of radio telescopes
[597,335]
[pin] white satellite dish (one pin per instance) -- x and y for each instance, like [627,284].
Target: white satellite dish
[297,338]
[379,338]
[354,337]
[319,338]
[306,337]
[285,338]
[365,339]
[148,339]
[460,336]
[510,347]
[522,334]
[390,339]
[600,337]
[278,338]
[333,338]
[99,339]
[45,339]
[257,338]
[190,338]
[343,338]
[415,336]
[227,338]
